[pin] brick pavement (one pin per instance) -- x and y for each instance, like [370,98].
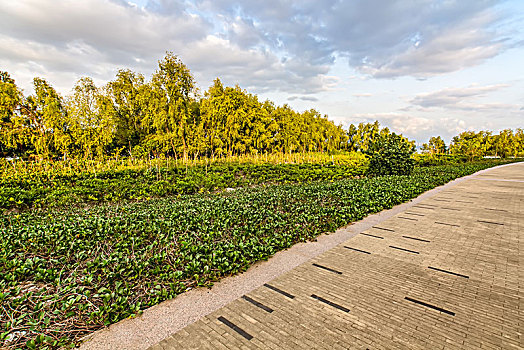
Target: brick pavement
[445,274]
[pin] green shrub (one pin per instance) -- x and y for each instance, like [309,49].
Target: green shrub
[391,154]
[430,159]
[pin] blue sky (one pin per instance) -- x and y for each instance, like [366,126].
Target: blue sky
[421,67]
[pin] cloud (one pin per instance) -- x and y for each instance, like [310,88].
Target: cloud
[363,95]
[420,128]
[401,123]
[460,98]
[384,39]
[303,98]
[63,40]
[271,45]
[438,49]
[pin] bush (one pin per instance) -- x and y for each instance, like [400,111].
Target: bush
[429,159]
[391,154]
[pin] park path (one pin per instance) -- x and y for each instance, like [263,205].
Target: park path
[446,273]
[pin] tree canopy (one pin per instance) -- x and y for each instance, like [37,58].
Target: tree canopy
[165,115]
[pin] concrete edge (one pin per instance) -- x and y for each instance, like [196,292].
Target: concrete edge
[168,317]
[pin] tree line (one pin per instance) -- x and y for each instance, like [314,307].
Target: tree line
[507,143]
[165,115]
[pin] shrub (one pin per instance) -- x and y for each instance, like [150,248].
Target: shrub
[391,154]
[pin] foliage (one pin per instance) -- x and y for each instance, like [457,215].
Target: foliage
[429,159]
[70,183]
[12,128]
[474,145]
[391,154]
[161,117]
[68,272]
[361,137]
[436,145]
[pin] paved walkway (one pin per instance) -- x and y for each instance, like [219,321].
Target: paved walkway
[448,273]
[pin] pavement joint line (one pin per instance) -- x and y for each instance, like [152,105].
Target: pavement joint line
[441,200]
[446,271]
[430,306]
[496,209]
[327,268]
[405,218]
[455,209]
[404,249]
[443,223]
[490,222]
[423,207]
[235,328]
[370,235]
[382,228]
[258,304]
[416,214]
[357,250]
[290,296]
[461,201]
[330,303]
[417,239]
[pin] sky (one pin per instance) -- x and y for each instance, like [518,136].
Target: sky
[420,67]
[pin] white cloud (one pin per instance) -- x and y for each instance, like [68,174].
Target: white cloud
[270,45]
[382,38]
[64,40]
[461,98]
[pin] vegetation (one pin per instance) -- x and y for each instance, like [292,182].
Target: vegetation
[116,198]
[67,272]
[474,145]
[54,184]
[164,116]
[391,154]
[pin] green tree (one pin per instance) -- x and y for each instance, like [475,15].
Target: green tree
[129,96]
[92,113]
[360,137]
[505,143]
[14,127]
[519,140]
[469,143]
[50,125]
[435,145]
[172,88]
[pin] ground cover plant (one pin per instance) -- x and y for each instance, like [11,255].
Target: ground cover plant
[51,184]
[66,272]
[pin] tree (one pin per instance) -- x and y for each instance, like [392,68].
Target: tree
[10,100]
[469,143]
[128,94]
[172,87]
[435,145]
[92,112]
[359,137]
[50,126]
[505,143]
[519,140]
